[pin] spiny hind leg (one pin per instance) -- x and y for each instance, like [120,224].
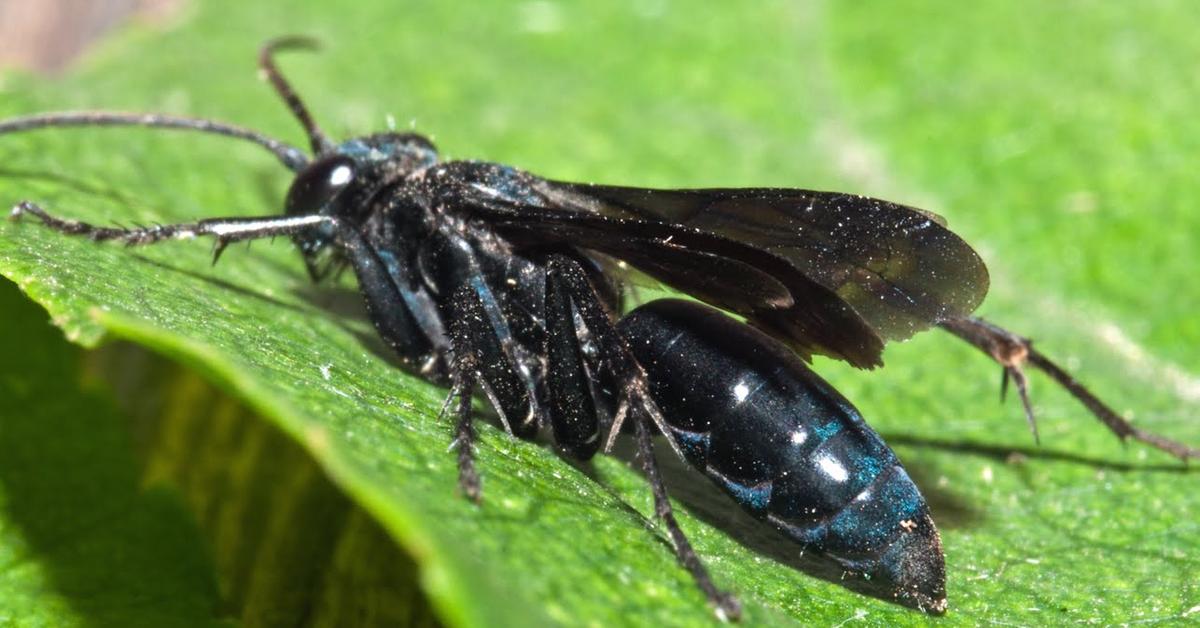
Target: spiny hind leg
[1013,352]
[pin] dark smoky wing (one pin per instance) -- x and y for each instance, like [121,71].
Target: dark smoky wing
[897,266]
[809,316]
[766,289]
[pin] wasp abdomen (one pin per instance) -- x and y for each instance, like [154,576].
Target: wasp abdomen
[786,446]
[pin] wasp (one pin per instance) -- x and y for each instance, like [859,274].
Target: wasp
[511,287]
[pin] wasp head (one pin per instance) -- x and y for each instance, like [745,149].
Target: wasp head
[345,183]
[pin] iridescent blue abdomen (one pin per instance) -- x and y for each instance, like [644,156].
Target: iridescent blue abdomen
[786,446]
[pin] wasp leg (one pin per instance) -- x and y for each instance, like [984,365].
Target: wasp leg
[464,437]
[385,305]
[568,275]
[225,230]
[424,316]
[574,393]
[566,278]
[1013,352]
[726,604]
[484,355]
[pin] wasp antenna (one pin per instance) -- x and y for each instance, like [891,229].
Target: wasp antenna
[293,158]
[266,63]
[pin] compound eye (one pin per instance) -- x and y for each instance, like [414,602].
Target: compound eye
[319,183]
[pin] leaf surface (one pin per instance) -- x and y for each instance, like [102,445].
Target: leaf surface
[1056,145]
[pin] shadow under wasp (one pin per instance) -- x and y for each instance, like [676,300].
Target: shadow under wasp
[503,284]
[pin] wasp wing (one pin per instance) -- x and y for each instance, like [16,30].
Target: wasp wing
[899,267]
[829,273]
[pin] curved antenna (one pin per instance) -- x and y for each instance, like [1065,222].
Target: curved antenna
[293,158]
[266,63]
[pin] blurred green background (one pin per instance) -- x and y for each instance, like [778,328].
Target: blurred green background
[237,452]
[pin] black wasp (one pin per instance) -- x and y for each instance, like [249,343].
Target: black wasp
[503,284]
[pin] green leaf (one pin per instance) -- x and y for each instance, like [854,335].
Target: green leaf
[79,540]
[1057,138]
[288,546]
